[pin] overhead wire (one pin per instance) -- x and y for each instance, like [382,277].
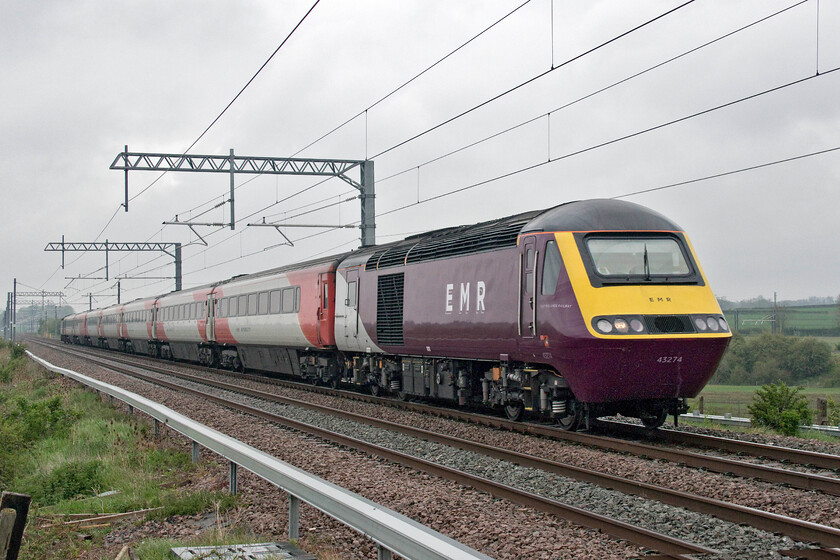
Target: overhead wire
[614,140]
[591,147]
[563,64]
[241,91]
[215,120]
[534,78]
[388,95]
[551,160]
[415,77]
[591,94]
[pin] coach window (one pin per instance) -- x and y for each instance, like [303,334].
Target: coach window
[243,306]
[552,265]
[224,307]
[288,300]
[326,304]
[351,294]
[263,303]
[274,298]
[252,304]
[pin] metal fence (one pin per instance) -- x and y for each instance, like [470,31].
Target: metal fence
[391,531]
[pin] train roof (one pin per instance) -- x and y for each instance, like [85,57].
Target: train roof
[583,215]
[600,215]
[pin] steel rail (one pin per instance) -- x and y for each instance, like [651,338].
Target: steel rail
[766,521]
[670,546]
[783,454]
[775,523]
[803,481]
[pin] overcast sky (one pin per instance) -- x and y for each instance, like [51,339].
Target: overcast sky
[82,79]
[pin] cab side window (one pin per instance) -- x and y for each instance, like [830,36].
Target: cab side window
[552,265]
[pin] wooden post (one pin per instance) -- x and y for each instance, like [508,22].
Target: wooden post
[20,504]
[822,411]
[701,404]
[7,526]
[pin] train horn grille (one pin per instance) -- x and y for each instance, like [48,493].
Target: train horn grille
[668,324]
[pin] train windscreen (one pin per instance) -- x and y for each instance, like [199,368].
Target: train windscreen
[637,257]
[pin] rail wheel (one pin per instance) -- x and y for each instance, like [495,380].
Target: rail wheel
[571,421]
[514,410]
[375,389]
[653,419]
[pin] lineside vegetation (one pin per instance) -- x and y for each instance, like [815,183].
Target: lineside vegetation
[74,454]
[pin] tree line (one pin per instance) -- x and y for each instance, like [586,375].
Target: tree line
[773,358]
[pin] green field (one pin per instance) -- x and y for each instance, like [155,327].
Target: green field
[734,399]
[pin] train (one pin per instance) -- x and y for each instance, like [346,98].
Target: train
[587,309]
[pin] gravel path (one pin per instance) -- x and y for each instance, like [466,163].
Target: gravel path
[502,530]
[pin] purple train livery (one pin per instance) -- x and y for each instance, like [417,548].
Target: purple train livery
[588,309]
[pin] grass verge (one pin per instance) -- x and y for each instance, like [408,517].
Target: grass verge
[74,454]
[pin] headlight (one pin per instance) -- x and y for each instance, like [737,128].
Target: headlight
[700,324]
[723,325]
[713,324]
[633,324]
[604,326]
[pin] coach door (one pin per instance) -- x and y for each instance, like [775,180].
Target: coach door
[527,288]
[210,317]
[325,311]
[351,308]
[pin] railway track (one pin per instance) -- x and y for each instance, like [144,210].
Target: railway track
[670,547]
[603,440]
[796,529]
[763,451]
